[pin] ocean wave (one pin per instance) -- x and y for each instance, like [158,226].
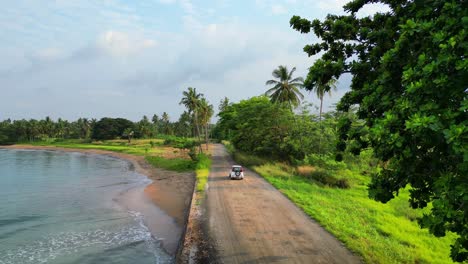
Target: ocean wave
[19,220]
[50,248]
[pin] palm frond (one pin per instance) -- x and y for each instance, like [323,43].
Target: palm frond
[291,73]
[271,82]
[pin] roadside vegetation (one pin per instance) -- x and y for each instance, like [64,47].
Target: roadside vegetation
[399,135]
[380,233]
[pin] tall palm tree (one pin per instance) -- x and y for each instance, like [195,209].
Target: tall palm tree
[166,123]
[322,89]
[191,100]
[206,112]
[285,89]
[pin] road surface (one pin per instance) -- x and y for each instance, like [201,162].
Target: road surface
[249,221]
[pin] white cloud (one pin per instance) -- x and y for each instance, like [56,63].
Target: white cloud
[278,9]
[187,6]
[122,44]
[167,1]
[121,53]
[336,6]
[331,5]
[48,54]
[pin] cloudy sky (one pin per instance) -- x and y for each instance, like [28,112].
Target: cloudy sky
[125,58]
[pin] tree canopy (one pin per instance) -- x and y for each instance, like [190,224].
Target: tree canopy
[286,89]
[409,80]
[110,128]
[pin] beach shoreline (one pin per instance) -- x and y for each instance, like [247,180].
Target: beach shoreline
[169,192]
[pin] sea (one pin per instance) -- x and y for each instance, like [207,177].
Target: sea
[66,207]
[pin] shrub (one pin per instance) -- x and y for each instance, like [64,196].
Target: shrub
[324,177]
[305,170]
[325,161]
[248,160]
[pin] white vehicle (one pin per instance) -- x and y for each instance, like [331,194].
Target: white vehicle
[237,172]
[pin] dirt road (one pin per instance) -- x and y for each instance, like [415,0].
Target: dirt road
[250,221]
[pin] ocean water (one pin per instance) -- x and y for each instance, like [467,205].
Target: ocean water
[63,207]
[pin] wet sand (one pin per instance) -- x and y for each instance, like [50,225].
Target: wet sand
[165,202]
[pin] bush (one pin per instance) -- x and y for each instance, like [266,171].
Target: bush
[324,177]
[248,160]
[325,161]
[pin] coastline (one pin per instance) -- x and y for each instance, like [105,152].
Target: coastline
[169,192]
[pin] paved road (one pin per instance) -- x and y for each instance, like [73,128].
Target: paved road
[250,221]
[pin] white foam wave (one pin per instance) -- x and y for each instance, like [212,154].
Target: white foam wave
[54,246]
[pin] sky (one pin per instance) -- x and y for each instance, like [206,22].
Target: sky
[125,58]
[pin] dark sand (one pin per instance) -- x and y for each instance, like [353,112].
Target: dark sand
[165,202]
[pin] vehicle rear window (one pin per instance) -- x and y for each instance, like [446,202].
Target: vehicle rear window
[236,169]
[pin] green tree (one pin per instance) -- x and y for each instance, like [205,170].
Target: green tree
[166,124]
[191,100]
[285,89]
[110,128]
[183,125]
[223,104]
[261,127]
[128,133]
[205,112]
[144,128]
[409,82]
[322,89]
[156,123]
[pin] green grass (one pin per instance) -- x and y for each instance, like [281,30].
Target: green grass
[202,171]
[137,147]
[177,164]
[380,233]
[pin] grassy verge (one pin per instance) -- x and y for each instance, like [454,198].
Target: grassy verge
[137,147]
[176,164]
[380,233]
[202,171]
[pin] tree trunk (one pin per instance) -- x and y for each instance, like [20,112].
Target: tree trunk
[198,131]
[320,124]
[206,136]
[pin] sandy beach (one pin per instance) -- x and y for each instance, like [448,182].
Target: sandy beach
[165,201]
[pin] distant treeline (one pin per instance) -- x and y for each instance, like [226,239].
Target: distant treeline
[14,131]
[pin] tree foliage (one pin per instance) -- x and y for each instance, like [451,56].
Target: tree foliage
[258,126]
[191,100]
[409,82]
[111,128]
[286,89]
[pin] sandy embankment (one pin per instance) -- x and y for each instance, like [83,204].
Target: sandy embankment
[171,192]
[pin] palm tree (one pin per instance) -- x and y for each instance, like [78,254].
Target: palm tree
[205,112]
[128,133]
[166,123]
[223,104]
[191,100]
[322,89]
[285,89]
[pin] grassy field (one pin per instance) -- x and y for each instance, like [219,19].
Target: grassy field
[380,233]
